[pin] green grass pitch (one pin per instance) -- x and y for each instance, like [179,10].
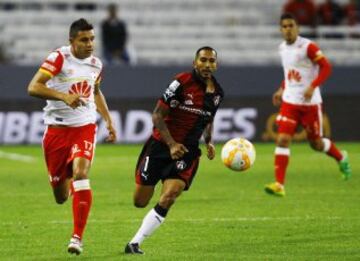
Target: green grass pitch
[225,215]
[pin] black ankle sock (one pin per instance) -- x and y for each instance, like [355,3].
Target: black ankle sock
[160,210]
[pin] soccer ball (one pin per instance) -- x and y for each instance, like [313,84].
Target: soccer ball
[238,154]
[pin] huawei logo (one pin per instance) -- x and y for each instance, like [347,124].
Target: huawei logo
[82,88]
[294,75]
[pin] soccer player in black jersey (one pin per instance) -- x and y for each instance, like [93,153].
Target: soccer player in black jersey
[183,114]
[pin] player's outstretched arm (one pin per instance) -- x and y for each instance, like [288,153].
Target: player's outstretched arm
[177,150]
[37,88]
[103,109]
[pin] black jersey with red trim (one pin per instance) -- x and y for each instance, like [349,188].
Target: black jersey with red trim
[191,108]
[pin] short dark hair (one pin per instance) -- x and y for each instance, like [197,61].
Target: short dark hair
[79,25]
[207,48]
[287,16]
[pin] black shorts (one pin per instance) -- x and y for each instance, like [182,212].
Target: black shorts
[155,164]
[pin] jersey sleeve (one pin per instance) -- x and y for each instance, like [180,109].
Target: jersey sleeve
[171,96]
[53,64]
[314,53]
[99,78]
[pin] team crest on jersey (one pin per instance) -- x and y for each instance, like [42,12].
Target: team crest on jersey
[93,61]
[217,100]
[82,88]
[180,165]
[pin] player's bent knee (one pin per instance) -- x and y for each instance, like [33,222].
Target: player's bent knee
[80,174]
[61,200]
[140,204]
[283,142]
[316,146]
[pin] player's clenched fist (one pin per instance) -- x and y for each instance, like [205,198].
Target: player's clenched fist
[74,100]
[210,151]
[177,150]
[276,99]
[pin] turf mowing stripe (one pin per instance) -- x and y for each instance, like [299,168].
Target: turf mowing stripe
[16,157]
[213,220]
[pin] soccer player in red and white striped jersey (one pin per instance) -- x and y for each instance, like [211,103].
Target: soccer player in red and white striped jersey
[305,70]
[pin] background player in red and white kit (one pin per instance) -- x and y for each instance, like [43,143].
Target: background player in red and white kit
[182,115]
[305,69]
[69,80]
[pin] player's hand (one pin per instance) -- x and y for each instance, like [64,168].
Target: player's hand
[74,100]
[210,151]
[177,150]
[112,133]
[276,98]
[309,93]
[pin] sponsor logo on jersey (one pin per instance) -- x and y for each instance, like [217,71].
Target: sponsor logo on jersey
[195,110]
[81,88]
[174,85]
[294,75]
[170,91]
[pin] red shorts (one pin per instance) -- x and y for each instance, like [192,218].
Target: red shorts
[308,116]
[62,145]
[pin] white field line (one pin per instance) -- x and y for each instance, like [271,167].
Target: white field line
[16,156]
[190,220]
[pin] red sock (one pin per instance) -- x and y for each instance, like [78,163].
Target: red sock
[82,199]
[281,162]
[332,150]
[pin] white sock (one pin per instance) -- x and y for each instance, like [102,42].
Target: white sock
[151,221]
[327,144]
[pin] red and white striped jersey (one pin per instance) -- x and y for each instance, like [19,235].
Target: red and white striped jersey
[71,75]
[300,70]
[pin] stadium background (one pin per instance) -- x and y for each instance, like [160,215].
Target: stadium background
[164,35]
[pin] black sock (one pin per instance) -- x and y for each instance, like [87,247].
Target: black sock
[160,210]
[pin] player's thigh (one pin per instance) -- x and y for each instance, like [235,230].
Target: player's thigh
[184,169]
[288,119]
[143,194]
[83,145]
[153,161]
[312,123]
[56,151]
